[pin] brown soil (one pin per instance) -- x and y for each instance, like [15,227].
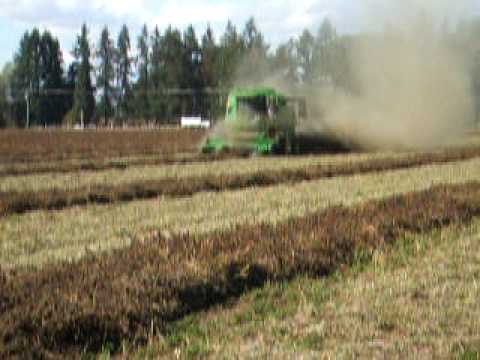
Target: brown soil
[56,199]
[48,145]
[93,165]
[65,309]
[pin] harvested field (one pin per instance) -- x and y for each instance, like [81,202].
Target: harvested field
[417,299]
[29,162]
[22,194]
[116,163]
[78,180]
[45,236]
[46,145]
[70,308]
[113,236]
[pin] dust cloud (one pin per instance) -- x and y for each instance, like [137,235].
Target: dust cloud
[411,88]
[412,91]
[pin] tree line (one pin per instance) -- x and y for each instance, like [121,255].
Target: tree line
[172,73]
[164,74]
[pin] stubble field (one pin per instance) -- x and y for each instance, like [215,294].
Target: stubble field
[110,239]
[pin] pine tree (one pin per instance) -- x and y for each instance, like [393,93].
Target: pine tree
[38,74]
[22,78]
[192,78]
[305,55]
[209,69]
[35,80]
[27,74]
[172,70]
[54,103]
[209,59]
[106,73]
[327,53]
[286,62]
[254,66]
[231,53]
[124,73]
[156,76]
[192,59]
[84,102]
[3,99]
[143,84]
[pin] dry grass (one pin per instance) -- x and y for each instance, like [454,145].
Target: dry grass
[418,300]
[275,173]
[43,237]
[80,180]
[422,309]
[17,169]
[129,294]
[46,145]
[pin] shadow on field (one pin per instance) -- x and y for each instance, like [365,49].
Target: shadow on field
[202,296]
[93,333]
[317,143]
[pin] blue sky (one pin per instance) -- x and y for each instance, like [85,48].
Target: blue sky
[278,19]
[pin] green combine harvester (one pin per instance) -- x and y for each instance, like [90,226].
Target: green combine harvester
[259,121]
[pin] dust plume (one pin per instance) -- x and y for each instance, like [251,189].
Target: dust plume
[412,90]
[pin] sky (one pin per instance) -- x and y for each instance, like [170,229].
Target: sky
[277,19]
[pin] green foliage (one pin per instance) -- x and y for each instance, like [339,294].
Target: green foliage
[184,60]
[192,76]
[168,60]
[106,74]
[124,74]
[286,61]
[230,54]
[3,99]
[172,71]
[156,76]
[38,68]
[466,351]
[84,102]
[210,70]
[142,87]
[254,63]
[305,53]
[326,52]
[312,341]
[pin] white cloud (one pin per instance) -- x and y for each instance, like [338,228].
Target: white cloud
[184,12]
[69,13]
[278,19]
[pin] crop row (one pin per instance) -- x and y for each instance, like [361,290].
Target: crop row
[173,171]
[132,293]
[28,165]
[46,145]
[236,166]
[43,237]
[19,169]
[272,173]
[31,156]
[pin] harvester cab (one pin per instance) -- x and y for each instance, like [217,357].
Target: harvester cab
[258,120]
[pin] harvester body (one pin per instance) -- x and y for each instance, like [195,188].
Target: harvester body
[258,120]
